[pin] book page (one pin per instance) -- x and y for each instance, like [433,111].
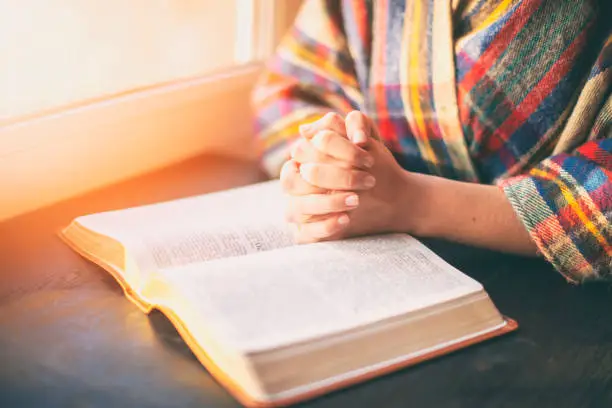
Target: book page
[189,246]
[304,292]
[218,225]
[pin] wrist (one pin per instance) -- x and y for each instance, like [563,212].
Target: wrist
[414,206]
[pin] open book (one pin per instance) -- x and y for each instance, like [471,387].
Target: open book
[274,322]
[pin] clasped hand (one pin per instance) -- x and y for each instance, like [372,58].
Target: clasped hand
[342,181]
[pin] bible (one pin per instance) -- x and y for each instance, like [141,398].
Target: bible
[276,323]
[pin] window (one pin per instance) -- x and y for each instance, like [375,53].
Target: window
[97,91]
[61,52]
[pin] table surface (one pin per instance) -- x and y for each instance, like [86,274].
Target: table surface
[69,338]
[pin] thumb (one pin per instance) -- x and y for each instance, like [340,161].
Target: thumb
[359,128]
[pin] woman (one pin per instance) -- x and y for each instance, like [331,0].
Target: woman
[483,122]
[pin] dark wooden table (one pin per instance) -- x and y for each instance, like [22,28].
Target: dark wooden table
[69,338]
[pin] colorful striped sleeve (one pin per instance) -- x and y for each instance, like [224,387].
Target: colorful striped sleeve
[565,201]
[566,204]
[311,74]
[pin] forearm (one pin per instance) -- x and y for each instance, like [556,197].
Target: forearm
[472,214]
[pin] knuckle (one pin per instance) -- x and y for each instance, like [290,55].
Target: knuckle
[299,150]
[323,139]
[332,118]
[317,140]
[326,120]
[315,173]
[349,179]
[311,189]
[287,177]
[328,228]
[353,155]
[286,168]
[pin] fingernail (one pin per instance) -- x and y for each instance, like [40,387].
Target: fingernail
[343,219]
[360,137]
[368,162]
[369,181]
[352,201]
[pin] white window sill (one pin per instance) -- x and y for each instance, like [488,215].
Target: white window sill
[48,158]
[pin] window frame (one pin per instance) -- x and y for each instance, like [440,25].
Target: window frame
[53,155]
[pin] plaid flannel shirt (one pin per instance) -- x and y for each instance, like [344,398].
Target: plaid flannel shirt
[509,92]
